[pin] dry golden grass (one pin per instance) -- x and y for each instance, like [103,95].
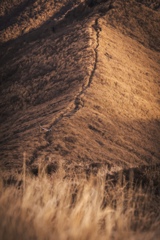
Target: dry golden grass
[59,207]
[120,128]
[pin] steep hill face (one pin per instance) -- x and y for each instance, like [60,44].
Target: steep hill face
[81,84]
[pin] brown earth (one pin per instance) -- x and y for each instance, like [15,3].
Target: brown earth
[80,84]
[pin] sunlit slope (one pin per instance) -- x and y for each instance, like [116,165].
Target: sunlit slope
[118,123]
[87,93]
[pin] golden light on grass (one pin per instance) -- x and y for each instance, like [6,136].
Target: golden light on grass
[85,93]
[60,207]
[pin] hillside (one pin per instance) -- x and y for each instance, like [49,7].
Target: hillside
[79,84]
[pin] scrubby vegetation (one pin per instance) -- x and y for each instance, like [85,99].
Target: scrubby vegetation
[60,207]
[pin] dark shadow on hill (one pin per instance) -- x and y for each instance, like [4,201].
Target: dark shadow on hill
[11,18]
[34,34]
[57,23]
[154,5]
[84,12]
[145,177]
[140,148]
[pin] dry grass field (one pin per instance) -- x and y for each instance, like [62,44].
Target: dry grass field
[79,207]
[79,120]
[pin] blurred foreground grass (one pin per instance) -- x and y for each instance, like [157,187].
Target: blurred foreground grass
[78,207]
